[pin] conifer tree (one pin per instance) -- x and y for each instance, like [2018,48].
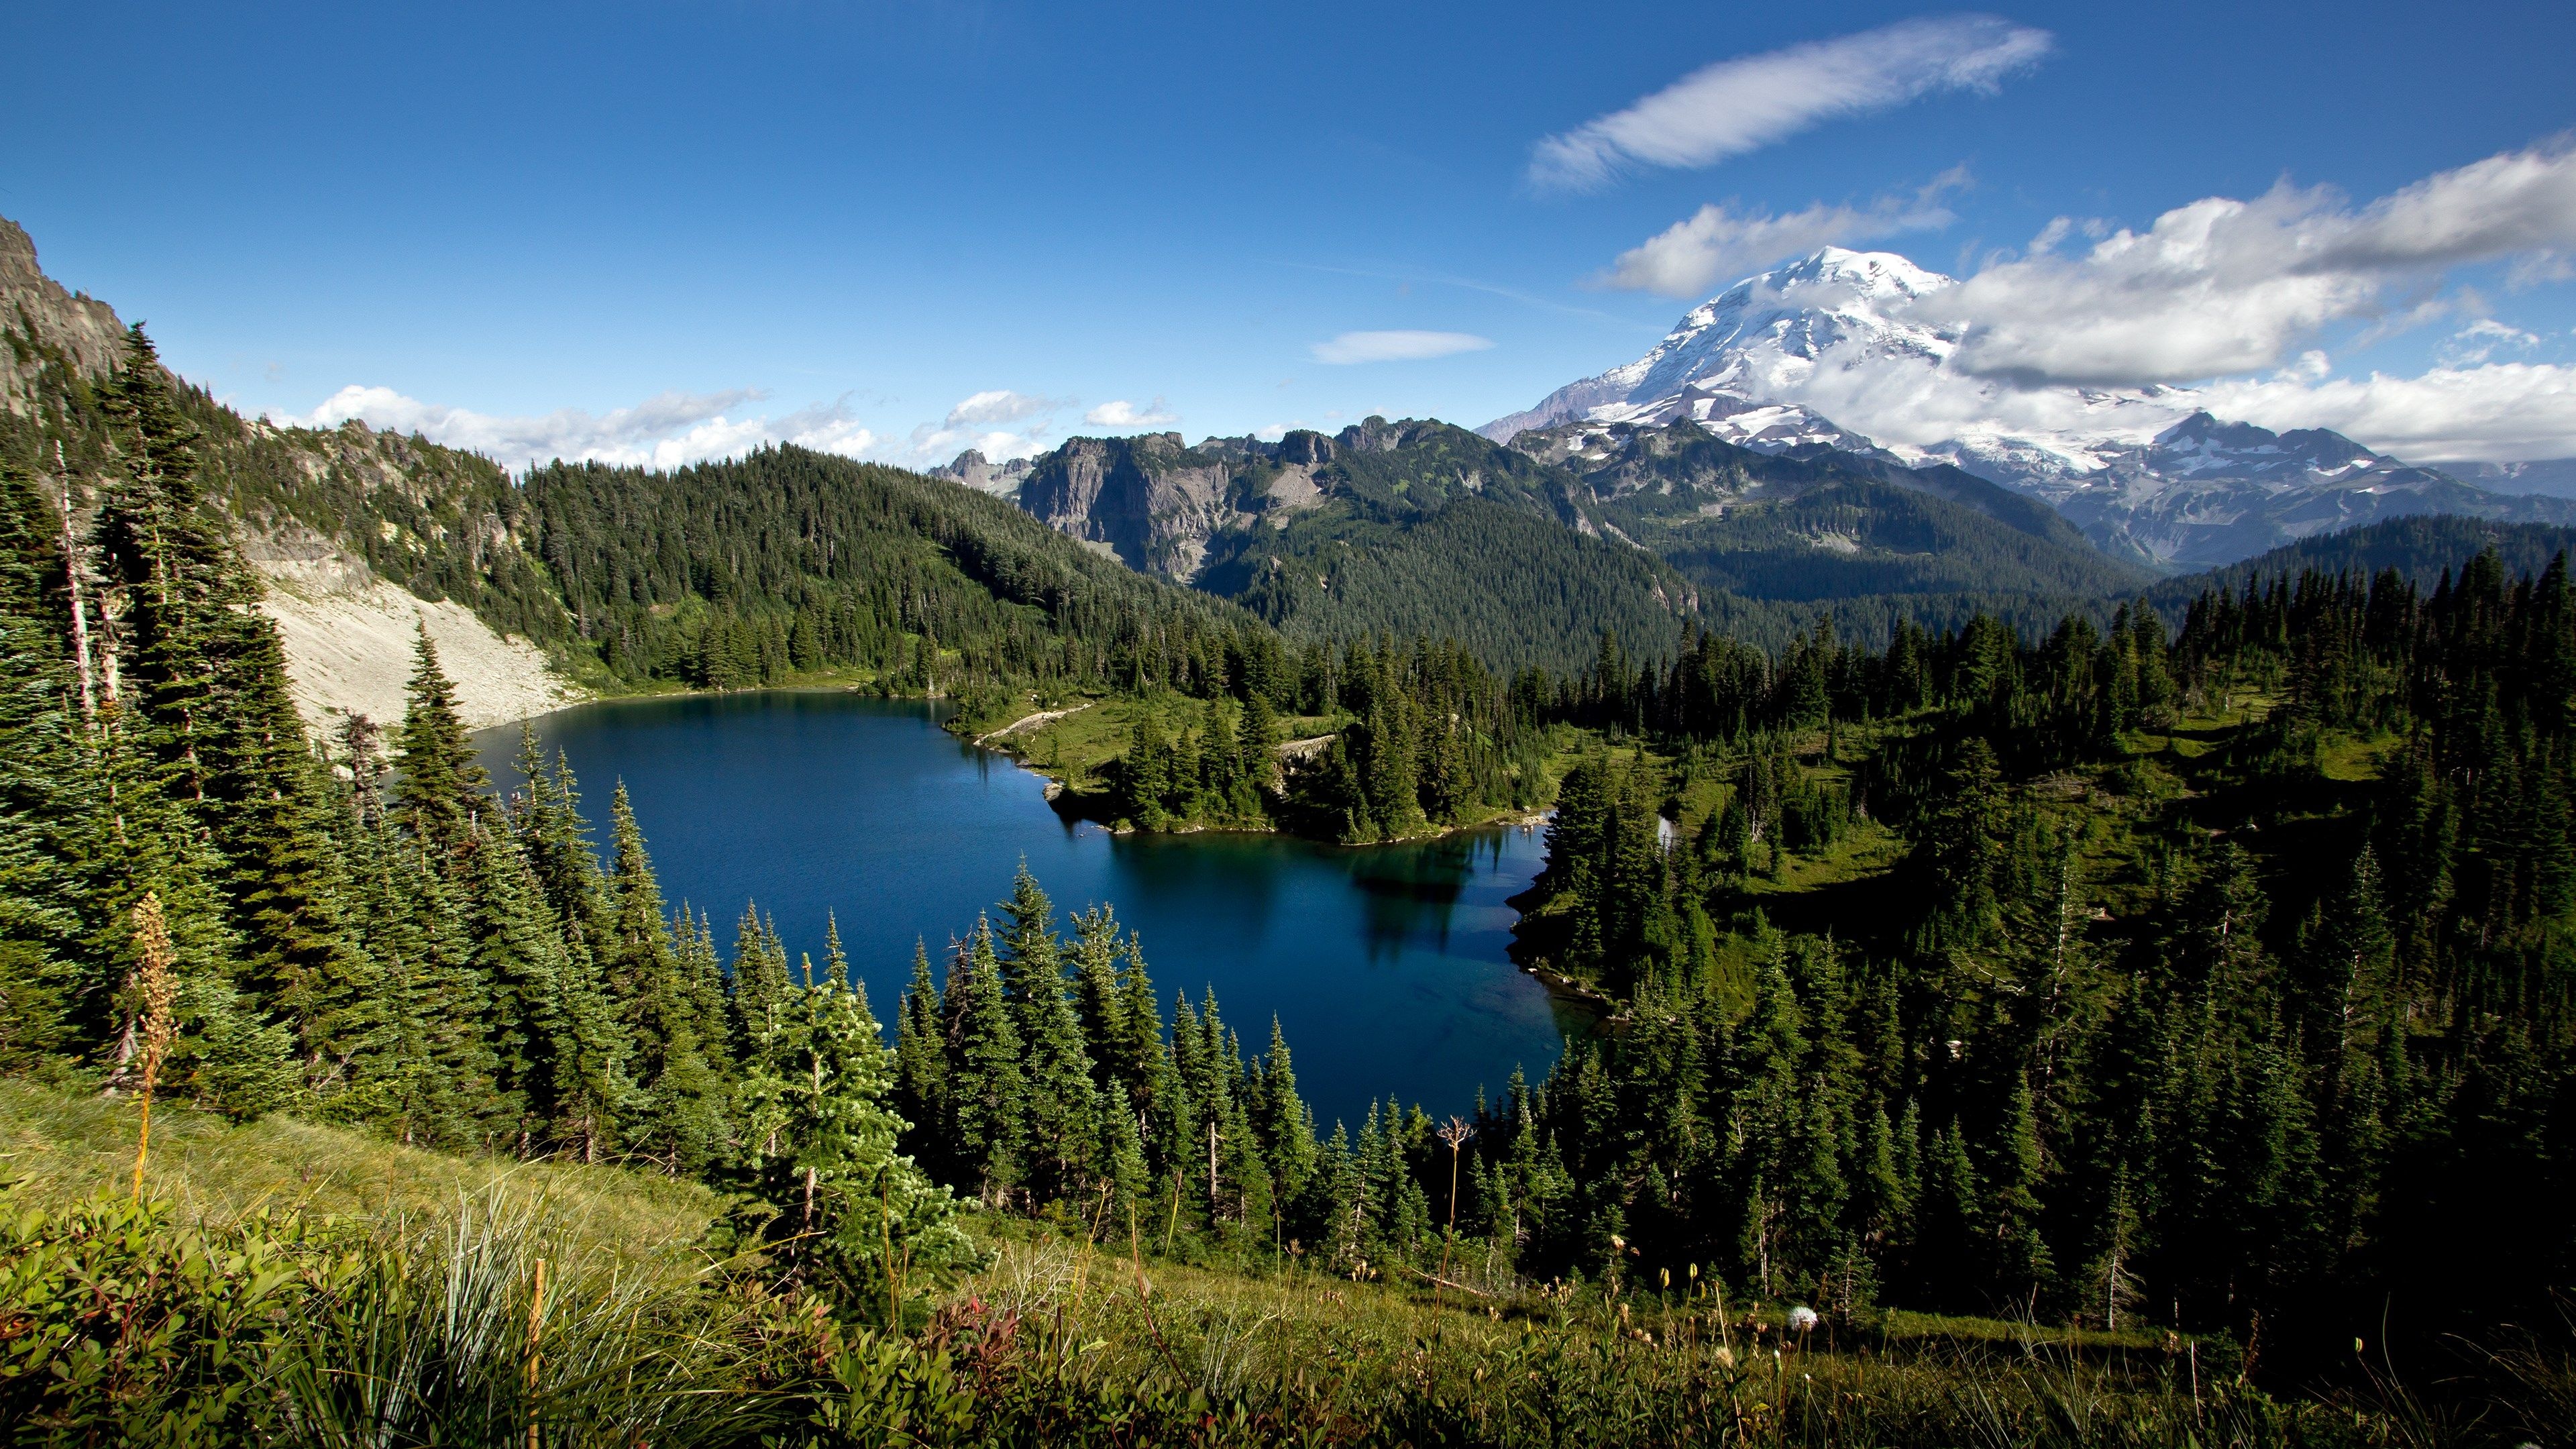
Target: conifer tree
[855,1215]
[1062,1134]
[46,776]
[443,783]
[987,1093]
[836,961]
[921,1062]
[760,978]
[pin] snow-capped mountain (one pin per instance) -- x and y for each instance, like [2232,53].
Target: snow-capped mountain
[1851,352]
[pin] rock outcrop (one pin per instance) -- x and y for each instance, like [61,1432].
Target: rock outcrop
[418,510]
[1152,500]
[82,329]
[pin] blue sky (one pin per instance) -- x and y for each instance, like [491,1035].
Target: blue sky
[605,228]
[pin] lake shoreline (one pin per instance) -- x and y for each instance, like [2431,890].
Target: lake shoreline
[1389,970]
[995,740]
[991,741]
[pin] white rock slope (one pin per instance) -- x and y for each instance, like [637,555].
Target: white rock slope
[349,633]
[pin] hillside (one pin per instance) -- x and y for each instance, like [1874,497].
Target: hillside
[1529,552]
[1826,525]
[791,561]
[364,536]
[2421,549]
[373,1250]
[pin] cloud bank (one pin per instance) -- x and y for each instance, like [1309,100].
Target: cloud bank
[2498,412]
[1356,347]
[2100,332]
[1742,105]
[667,430]
[2222,286]
[675,429]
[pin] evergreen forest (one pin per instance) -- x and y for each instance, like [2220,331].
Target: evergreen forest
[2133,1034]
[2216,978]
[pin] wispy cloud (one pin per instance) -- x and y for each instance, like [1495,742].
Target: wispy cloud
[1352,347]
[675,429]
[667,430]
[1742,105]
[1124,414]
[2481,340]
[2222,286]
[1001,405]
[1721,243]
[976,423]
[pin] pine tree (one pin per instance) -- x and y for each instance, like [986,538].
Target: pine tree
[836,961]
[987,1094]
[519,957]
[680,1121]
[46,774]
[1060,1126]
[760,978]
[921,1063]
[443,783]
[855,1217]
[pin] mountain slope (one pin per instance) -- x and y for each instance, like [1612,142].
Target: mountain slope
[616,577]
[363,537]
[2145,472]
[2421,549]
[1528,551]
[1515,588]
[1820,524]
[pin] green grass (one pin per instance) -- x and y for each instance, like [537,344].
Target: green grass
[415,1319]
[59,1147]
[1075,748]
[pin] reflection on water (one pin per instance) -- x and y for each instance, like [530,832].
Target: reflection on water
[1385,965]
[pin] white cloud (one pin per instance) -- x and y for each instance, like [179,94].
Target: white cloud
[2502,412]
[1353,347]
[1124,414]
[673,429]
[2482,340]
[1001,405]
[2223,286]
[668,430]
[1688,258]
[970,424]
[1744,104]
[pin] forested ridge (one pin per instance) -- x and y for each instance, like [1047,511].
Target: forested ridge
[2219,981]
[734,574]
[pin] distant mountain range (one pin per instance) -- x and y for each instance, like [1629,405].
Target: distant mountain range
[1530,549]
[2146,473]
[1696,508]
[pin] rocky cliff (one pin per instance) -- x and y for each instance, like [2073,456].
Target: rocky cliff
[363,536]
[1152,500]
[47,323]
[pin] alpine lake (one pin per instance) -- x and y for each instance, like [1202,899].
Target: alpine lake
[1385,965]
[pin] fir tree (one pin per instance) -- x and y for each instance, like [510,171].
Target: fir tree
[987,1093]
[443,783]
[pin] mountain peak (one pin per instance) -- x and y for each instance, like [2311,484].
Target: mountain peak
[83,329]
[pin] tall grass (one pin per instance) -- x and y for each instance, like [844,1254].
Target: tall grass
[469,1332]
[553,1307]
[59,1148]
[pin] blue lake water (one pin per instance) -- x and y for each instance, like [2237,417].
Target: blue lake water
[1385,965]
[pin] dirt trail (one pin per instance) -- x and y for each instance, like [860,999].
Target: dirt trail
[1032,721]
